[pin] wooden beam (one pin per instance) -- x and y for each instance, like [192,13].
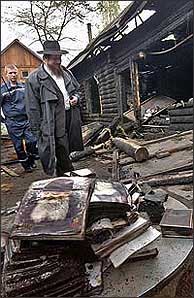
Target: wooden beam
[135,89]
[139,153]
[9,171]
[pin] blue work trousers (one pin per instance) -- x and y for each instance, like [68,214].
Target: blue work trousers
[24,141]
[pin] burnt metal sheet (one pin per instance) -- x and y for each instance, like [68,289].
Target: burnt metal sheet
[54,209]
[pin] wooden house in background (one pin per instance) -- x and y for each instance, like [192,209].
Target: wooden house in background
[23,57]
[163,30]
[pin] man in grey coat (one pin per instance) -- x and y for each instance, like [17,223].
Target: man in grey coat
[52,104]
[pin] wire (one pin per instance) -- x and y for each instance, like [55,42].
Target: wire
[173,48]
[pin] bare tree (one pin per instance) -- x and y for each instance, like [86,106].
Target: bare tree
[49,19]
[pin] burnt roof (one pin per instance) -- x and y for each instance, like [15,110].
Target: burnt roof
[114,27]
[118,25]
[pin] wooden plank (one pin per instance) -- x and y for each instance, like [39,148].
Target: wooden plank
[181,126]
[181,119]
[156,166]
[109,111]
[115,166]
[135,88]
[9,171]
[172,179]
[180,112]
[176,136]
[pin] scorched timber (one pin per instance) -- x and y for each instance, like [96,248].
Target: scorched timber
[139,153]
[169,180]
[181,119]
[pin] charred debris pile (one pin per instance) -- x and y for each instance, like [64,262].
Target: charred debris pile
[156,154]
[68,231]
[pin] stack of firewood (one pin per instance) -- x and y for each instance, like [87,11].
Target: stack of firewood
[181,116]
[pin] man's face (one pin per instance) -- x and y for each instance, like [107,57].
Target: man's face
[54,63]
[12,74]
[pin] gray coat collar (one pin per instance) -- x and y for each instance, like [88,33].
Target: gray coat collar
[46,80]
[44,75]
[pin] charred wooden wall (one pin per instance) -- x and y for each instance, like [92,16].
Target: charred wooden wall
[105,74]
[108,66]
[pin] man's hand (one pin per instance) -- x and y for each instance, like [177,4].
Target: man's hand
[73,100]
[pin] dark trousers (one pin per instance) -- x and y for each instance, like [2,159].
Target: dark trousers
[19,134]
[64,163]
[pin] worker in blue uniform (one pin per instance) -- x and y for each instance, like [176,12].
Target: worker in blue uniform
[15,118]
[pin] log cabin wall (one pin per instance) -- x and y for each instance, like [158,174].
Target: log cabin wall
[103,69]
[111,73]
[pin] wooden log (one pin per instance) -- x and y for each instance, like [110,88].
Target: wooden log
[115,165]
[109,105]
[168,180]
[105,73]
[181,119]
[107,132]
[126,161]
[109,100]
[9,171]
[108,111]
[175,149]
[181,106]
[174,136]
[104,84]
[109,116]
[106,76]
[103,151]
[109,92]
[139,153]
[181,112]
[136,94]
[77,155]
[107,86]
[92,134]
[181,126]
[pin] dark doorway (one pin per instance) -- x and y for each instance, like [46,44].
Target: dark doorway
[94,96]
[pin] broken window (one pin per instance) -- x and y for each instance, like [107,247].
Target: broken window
[93,96]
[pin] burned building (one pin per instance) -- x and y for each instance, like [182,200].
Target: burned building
[160,32]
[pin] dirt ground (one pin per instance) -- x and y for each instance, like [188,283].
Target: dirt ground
[14,188]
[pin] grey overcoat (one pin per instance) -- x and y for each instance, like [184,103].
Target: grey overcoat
[41,97]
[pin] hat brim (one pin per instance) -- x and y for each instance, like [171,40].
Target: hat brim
[61,52]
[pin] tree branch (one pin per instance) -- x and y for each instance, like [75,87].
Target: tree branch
[63,23]
[34,22]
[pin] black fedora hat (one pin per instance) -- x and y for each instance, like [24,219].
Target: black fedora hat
[52,47]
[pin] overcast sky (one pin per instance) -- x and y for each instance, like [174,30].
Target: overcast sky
[78,31]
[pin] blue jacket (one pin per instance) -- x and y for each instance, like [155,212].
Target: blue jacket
[12,101]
